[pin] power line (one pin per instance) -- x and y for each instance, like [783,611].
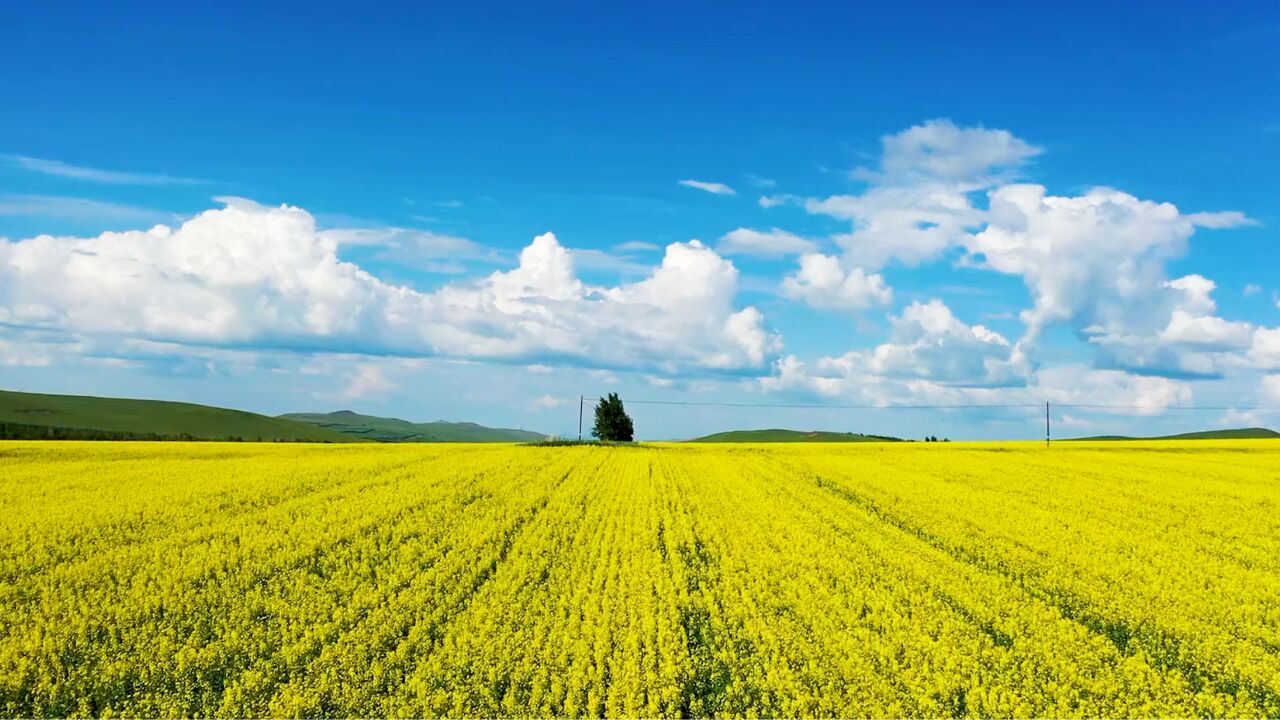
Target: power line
[817,406]
[954,406]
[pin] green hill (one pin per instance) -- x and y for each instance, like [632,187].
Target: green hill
[777,435]
[1233,434]
[78,417]
[394,430]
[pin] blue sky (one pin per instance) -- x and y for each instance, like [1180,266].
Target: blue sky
[893,206]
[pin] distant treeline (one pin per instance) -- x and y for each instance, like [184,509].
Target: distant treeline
[21,431]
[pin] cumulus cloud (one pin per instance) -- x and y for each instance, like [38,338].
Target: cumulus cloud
[905,224]
[928,343]
[773,243]
[939,150]
[1102,391]
[1085,257]
[919,201]
[253,276]
[1264,348]
[822,282]
[714,188]
[1097,262]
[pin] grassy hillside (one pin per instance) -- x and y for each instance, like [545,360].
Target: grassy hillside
[1233,434]
[394,430]
[36,416]
[778,435]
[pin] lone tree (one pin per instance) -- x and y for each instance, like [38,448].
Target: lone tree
[612,422]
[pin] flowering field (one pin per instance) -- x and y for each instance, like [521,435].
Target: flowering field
[1121,579]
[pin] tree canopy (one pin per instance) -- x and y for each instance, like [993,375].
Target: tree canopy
[612,422]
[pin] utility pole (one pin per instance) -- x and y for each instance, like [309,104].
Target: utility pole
[580,401]
[1046,423]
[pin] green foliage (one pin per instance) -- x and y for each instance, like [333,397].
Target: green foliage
[612,422]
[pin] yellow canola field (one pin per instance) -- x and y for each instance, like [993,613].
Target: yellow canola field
[1108,579]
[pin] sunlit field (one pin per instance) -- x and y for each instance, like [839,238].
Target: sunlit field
[1114,579]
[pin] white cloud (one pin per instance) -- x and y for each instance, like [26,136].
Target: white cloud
[592,259]
[1221,220]
[1271,388]
[768,201]
[822,283]
[1113,392]
[636,246]
[420,249]
[1241,418]
[539,369]
[773,243]
[919,203]
[1193,341]
[906,224]
[547,402]
[761,182]
[605,377]
[659,382]
[1192,322]
[81,209]
[19,352]
[1097,262]
[927,343]
[1086,258]
[368,381]
[58,168]
[1094,261]
[252,276]
[939,150]
[1264,349]
[1252,289]
[714,188]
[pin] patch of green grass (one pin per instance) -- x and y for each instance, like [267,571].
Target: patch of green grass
[1231,434]
[40,416]
[394,430]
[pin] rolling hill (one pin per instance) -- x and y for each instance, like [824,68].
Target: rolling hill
[778,435]
[393,430]
[1232,434]
[39,416]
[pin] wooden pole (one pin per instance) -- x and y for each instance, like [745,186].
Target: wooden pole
[580,401]
[1046,423]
